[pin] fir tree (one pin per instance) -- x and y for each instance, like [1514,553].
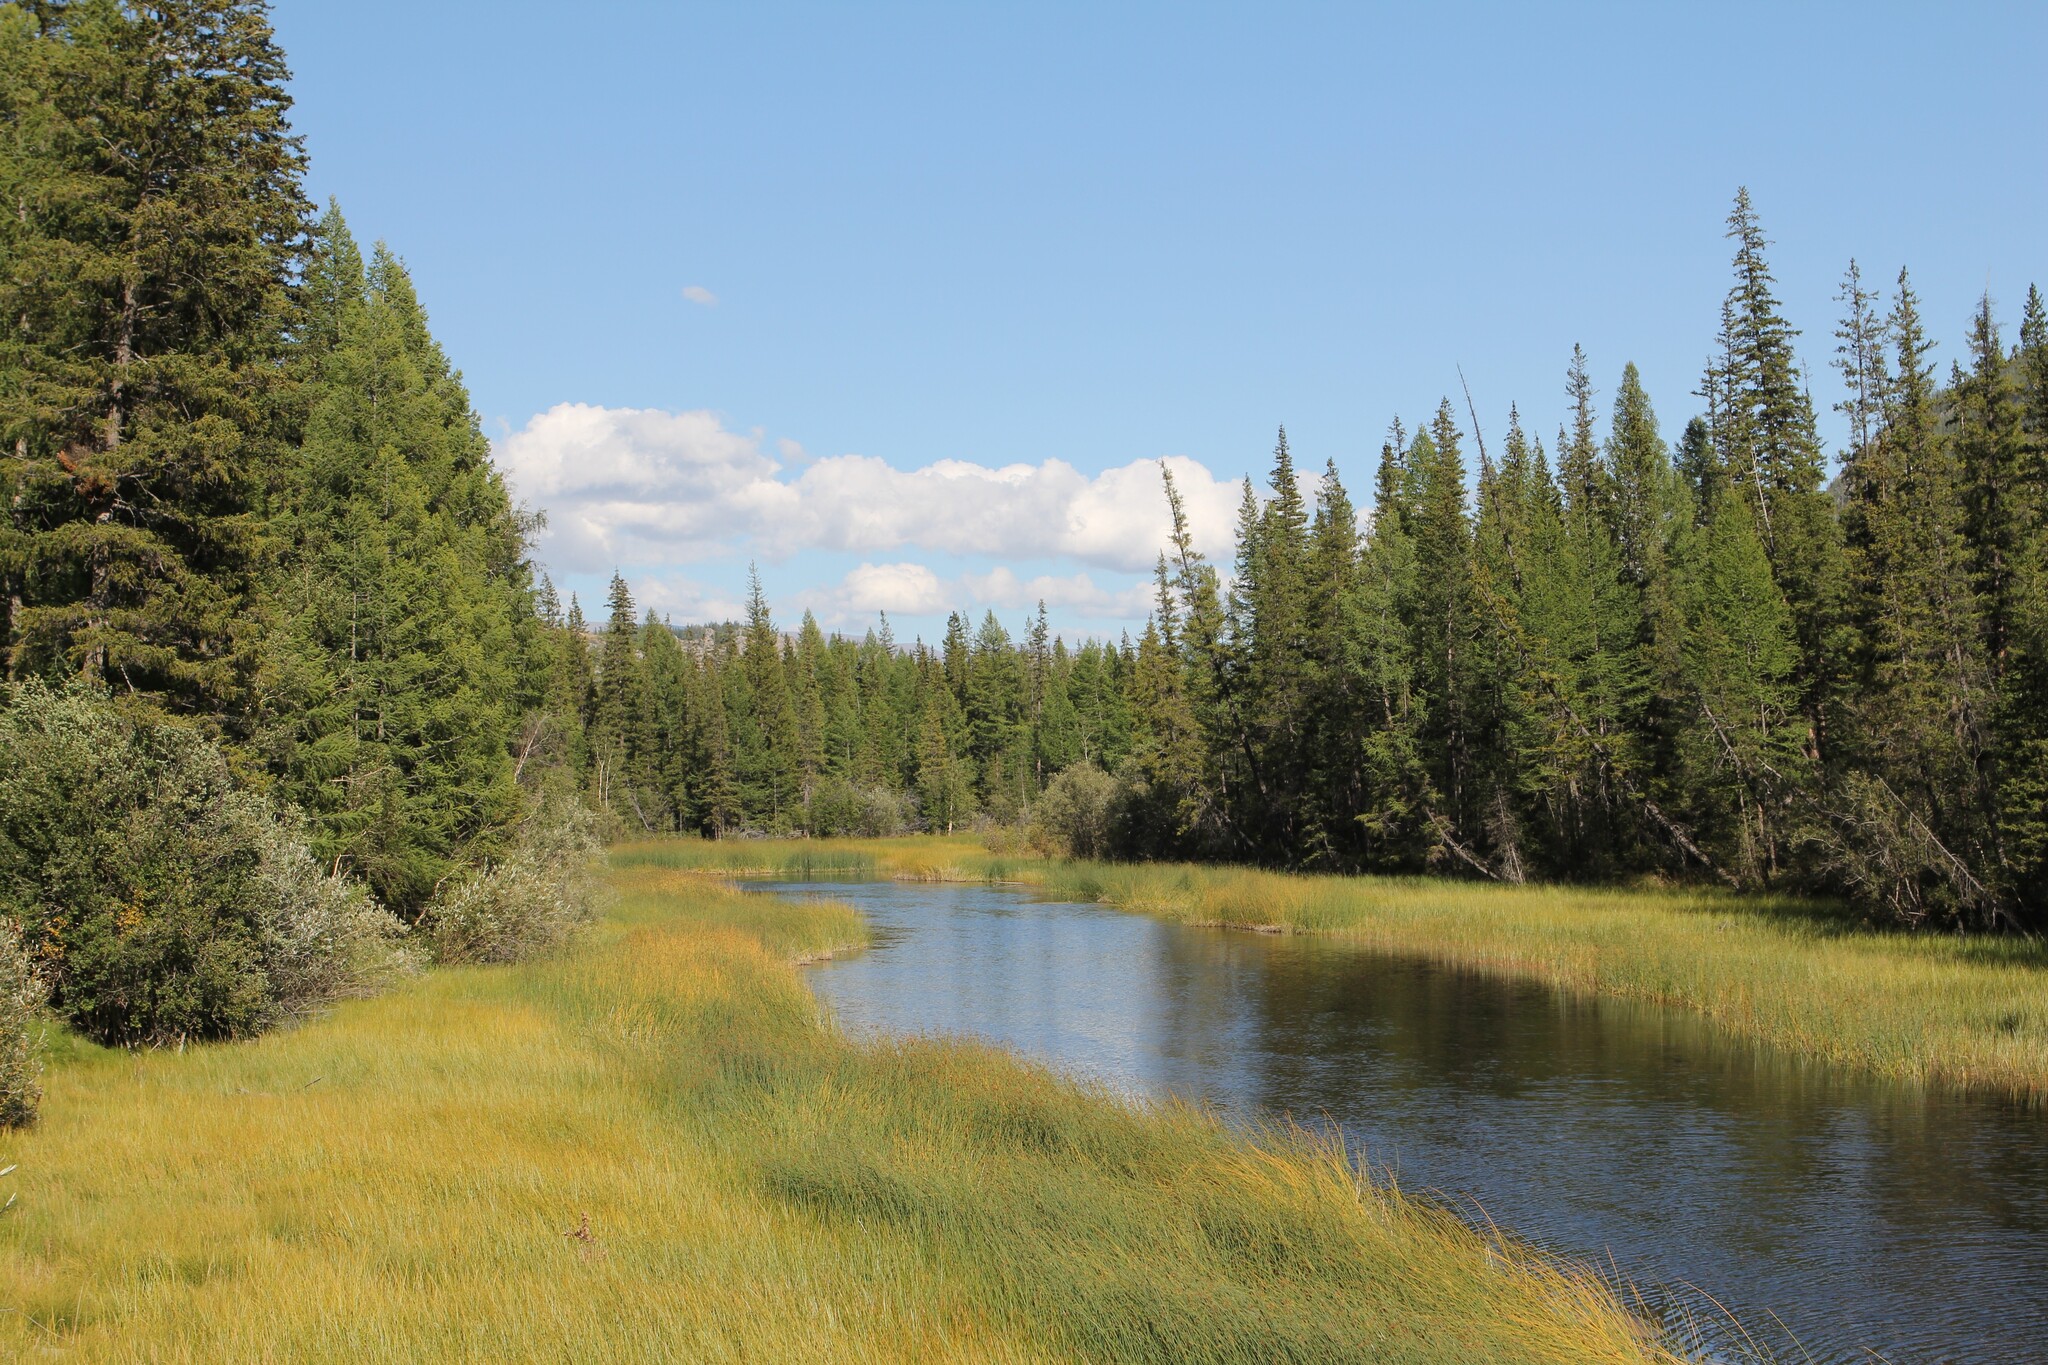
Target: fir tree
[399,598]
[1769,447]
[766,749]
[158,221]
[1444,624]
[1917,792]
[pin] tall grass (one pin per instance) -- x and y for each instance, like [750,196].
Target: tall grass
[1932,1009]
[656,1148]
[921,858]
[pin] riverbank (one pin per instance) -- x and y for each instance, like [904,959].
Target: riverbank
[1971,1013]
[654,1148]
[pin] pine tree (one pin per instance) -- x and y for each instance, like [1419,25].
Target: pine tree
[1037,677]
[620,740]
[1394,823]
[1990,444]
[766,749]
[1653,517]
[944,783]
[2023,699]
[1331,731]
[396,673]
[808,688]
[668,726]
[1917,794]
[1771,448]
[998,733]
[1860,357]
[158,221]
[1743,752]
[1270,670]
[1444,625]
[1061,739]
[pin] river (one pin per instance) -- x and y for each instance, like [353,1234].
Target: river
[1856,1219]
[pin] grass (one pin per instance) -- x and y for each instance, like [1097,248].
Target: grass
[655,1148]
[1970,1013]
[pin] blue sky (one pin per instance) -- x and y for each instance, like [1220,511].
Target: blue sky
[897,300]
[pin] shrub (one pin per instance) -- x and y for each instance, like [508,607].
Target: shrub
[532,901]
[159,899]
[1077,816]
[323,936]
[839,809]
[21,1001]
[1010,841]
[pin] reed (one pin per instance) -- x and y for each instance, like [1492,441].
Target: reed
[1962,1012]
[655,1147]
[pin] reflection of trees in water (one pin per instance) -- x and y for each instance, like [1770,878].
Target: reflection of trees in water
[1589,1125]
[1611,1123]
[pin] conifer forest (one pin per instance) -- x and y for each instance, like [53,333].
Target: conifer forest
[1641,802]
[247,493]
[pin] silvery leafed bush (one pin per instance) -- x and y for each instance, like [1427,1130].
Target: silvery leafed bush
[159,898]
[534,899]
[1077,816]
[21,1001]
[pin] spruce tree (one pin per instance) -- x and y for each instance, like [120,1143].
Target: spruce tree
[395,671]
[1060,739]
[1770,448]
[808,685]
[766,749]
[2023,699]
[671,758]
[1444,624]
[1743,751]
[157,224]
[1917,800]
[1990,445]
[619,733]
[1394,824]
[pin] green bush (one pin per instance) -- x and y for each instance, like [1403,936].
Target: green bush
[1077,816]
[21,1001]
[322,936]
[160,899]
[534,900]
[840,810]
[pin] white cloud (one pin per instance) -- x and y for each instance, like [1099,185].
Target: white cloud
[633,485]
[908,590]
[699,295]
[684,600]
[1075,595]
[900,589]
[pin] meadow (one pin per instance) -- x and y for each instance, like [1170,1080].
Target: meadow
[654,1146]
[1933,1009]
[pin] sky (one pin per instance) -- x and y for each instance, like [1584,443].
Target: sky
[906,304]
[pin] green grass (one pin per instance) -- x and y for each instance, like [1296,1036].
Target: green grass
[1970,1013]
[656,1148]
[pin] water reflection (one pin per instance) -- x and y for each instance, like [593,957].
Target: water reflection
[1866,1217]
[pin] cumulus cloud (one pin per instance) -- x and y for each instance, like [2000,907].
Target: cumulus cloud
[901,589]
[636,485]
[908,589]
[684,600]
[1074,594]
[699,295]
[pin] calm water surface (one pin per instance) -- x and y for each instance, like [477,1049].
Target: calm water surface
[1871,1221]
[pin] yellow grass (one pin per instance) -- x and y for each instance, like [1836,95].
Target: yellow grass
[410,1178]
[1917,1008]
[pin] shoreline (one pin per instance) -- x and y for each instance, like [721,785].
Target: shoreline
[1963,1014]
[656,1146]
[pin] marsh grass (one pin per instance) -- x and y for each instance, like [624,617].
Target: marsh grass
[655,1147]
[1969,1013]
